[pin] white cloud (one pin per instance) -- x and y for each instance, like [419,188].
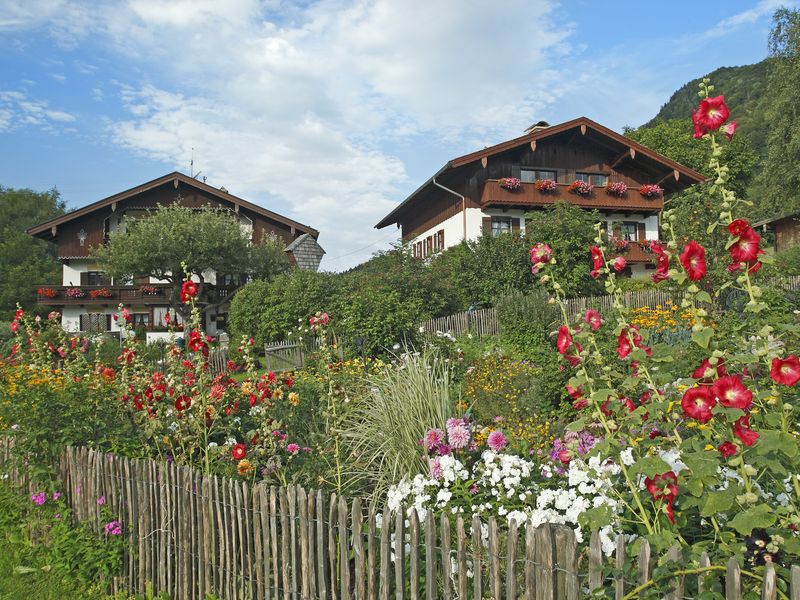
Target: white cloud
[746,17]
[17,109]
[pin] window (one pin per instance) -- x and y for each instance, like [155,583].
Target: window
[140,320]
[627,231]
[97,278]
[531,175]
[501,225]
[593,178]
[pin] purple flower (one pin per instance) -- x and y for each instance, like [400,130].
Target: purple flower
[458,436]
[101,500]
[306,449]
[56,495]
[433,439]
[39,498]
[496,440]
[293,448]
[436,468]
[444,449]
[113,528]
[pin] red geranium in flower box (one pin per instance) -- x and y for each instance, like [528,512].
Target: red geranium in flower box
[74,292]
[101,293]
[46,292]
[581,188]
[510,183]
[546,186]
[618,189]
[651,190]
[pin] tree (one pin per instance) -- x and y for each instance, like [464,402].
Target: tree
[780,178]
[25,261]
[569,230]
[175,237]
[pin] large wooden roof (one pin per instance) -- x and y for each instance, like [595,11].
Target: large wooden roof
[44,229]
[684,174]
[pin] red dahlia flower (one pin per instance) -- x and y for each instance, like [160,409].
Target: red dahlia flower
[727,449]
[592,317]
[664,487]
[706,370]
[746,248]
[697,403]
[564,339]
[188,291]
[710,114]
[731,392]
[741,429]
[238,452]
[785,371]
[693,259]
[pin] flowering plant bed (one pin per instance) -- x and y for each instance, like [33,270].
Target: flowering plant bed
[581,188]
[618,189]
[46,292]
[74,292]
[101,293]
[510,183]
[546,186]
[651,191]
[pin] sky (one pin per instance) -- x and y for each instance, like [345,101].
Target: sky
[331,112]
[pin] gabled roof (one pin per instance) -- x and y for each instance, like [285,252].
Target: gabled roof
[795,213]
[224,196]
[538,133]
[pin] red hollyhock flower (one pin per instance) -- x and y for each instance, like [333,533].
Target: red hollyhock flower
[14,326]
[183,402]
[727,449]
[699,131]
[196,341]
[729,129]
[580,404]
[619,264]
[574,393]
[693,259]
[592,317]
[662,269]
[564,339]
[785,371]
[188,291]
[706,370]
[711,113]
[731,392]
[697,403]
[624,346]
[664,487]
[741,429]
[737,227]
[746,247]
[238,452]
[540,255]
[597,261]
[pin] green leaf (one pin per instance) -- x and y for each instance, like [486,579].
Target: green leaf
[719,502]
[650,466]
[759,516]
[703,296]
[712,227]
[703,337]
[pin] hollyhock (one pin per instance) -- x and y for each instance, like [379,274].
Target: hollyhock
[746,248]
[238,452]
[592,317]
[624,346]
[496,440]
[729,129]
[731,392]
[14,327]
[183,403]
[662,268]
[619,264]
[188,291]
[693,259]
[597,261]
[741,429]
[727,449]
[785,371]
[697,403]
[664,487]
[574,393]
[540,255]
[737,227]
[706,370]
[564,339]
[710,114]
[196,341]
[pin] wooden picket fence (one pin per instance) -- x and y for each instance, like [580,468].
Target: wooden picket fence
[193,535]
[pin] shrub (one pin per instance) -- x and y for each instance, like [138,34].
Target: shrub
[526,322]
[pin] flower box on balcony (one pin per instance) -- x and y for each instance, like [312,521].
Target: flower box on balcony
[46,292]
[74,292]
[651,191]
[510,183]
[581,188]
[101,293]
[149,290]
[546,186]
[617,189]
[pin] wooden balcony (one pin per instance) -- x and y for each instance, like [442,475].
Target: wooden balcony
[527,196]
[107,295]
[638,253]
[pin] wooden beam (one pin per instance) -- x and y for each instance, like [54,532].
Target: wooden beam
[629,152]
[665,177]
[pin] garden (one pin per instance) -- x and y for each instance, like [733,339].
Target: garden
[673,426]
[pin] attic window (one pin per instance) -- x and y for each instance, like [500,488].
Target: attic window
[531,175]
[598,179]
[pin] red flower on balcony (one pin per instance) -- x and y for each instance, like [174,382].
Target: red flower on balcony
[101,293]
[581,188]
[46,292]
[693,259]
[649,190]
[546,186]
[74,292]
[618,189]
[510,183]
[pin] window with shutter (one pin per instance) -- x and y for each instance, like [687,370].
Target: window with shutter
[440,235]
[487,224]
[514,224]
[641,232]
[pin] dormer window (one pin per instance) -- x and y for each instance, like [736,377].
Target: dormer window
[531,175]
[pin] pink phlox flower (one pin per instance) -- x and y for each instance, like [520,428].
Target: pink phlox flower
[39,498]
[101,500]
[113,528]
[56,495]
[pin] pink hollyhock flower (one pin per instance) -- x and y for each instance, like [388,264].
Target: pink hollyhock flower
[731,392]
[727,449]
[458,436]
[292,448]
[496,440]
[693,259]
[785,371]
[564,339]
[592,317]
[729,129]
[741,429]
[619,264]
[697,403]
[664,487]
[710,114]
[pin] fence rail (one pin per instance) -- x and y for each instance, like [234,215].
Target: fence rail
[194,535]
[484,322]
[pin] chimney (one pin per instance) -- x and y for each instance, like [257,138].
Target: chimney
[537,126]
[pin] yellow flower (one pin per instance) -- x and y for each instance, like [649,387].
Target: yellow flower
[245,467]
[294,398]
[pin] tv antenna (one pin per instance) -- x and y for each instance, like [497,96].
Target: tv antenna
[192,174]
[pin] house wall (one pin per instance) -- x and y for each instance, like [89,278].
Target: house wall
[787,233]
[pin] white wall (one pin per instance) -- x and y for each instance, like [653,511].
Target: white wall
[71,273]
[650,222]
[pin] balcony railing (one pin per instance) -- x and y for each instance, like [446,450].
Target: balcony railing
[528,196]
[638,253]
[105,294]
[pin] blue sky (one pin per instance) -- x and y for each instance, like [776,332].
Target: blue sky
[331,112]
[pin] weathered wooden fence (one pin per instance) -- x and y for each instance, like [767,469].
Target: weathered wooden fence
[290,355]
[193,535]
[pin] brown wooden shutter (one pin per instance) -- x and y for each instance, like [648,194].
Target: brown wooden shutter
[514,224]
[108,322]
[82,323]
[440,236]
[641,232]
[429,245]
[487,224]
[84,278]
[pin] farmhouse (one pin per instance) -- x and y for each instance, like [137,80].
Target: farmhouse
[87,298]
[785,228]
[488,192]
